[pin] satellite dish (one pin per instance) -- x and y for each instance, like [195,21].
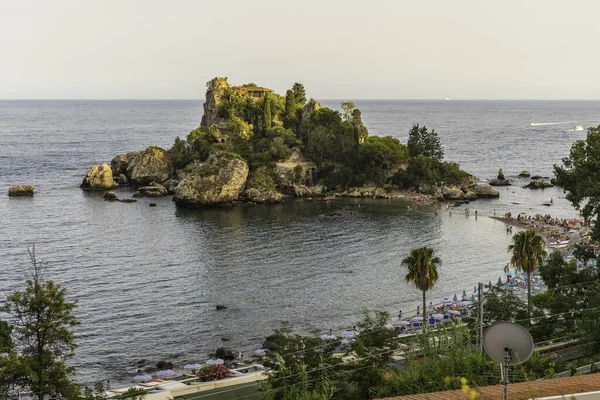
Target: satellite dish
[506,338]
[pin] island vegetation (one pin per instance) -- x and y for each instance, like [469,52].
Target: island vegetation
[257,146]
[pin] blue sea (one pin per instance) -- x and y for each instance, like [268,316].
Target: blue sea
[147,280]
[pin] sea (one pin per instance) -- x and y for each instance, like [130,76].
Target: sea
[147,279]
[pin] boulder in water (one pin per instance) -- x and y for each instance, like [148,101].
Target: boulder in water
[119,164]
[500,175]
[110,196]
[499,182]
[483,190]
[150,165]
[153,191]
[525,173]
[225,354]
[21,190]
[470,195]
[452,193]
[99,177]
[220,179]
[538,184]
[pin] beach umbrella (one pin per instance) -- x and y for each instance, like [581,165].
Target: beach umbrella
[463,303]
[164,373]
[388,326]
[464,293]
[454,312]
[402,322]
[347,341]
[445,300]
[328,336]
[490,283]
[348,333]
[474,289]
[455,298]
[416,319]
[473,298]
[142,378]
[215,361]
[192,366]
[260,352]
[438,316]
[499,281]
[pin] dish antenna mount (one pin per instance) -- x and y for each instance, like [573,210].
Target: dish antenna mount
[508,344]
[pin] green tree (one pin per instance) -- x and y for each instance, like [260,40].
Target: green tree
[290,111]
[42,320]
[299,94]
[423,142]
[580,177]
[422,270]
[528,253]
[267,118]
[381,155]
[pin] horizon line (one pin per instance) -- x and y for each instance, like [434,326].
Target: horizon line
[329,99]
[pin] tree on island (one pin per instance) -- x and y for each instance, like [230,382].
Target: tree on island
[425,143]
[528,253]
[41,322]
[422,270]
[299,93]
[580,179]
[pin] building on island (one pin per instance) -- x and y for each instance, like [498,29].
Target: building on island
[254,91]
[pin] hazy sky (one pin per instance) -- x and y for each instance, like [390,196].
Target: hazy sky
[366,49]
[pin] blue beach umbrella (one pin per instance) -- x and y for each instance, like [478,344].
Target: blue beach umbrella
[473,298]
[499,281]
[490,283]
[474,288]
[455,298]
[464,293]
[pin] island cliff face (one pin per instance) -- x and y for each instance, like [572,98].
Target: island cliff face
[257,146]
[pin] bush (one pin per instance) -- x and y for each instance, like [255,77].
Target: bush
[214,372]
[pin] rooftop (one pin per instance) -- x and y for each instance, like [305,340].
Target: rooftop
[521,391]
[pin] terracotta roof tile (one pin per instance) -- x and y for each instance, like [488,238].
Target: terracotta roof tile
[519,391]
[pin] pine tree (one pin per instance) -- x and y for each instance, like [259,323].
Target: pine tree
[41,321]
[289,118]
[299,94]
[423,142]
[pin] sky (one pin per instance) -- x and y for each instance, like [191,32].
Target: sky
[367,49]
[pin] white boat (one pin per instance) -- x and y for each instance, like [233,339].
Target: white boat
[558,245]
[446,98]
[576,128]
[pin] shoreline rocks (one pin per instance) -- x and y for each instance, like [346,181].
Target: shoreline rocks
[99,177]
[150,165]
[21,190]
[538,184]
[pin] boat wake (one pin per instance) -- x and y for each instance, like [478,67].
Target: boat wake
[547,123]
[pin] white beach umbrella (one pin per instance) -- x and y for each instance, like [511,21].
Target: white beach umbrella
[463,303]
[260,352]
[402,322]
[349,333]
[454,312]
[142,378]
[446,300]
[416,319]
[164,373]
[438,316]
[215,361]
[192,366]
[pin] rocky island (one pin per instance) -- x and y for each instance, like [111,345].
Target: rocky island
[254,145]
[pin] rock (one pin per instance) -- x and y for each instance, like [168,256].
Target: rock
[260,188]
[216,89]
[152,205]
[470,195]
[153,191]
[123,179]
[171,184]
[452,193]
[151,165]
[225,354]
[221,307]
[110,196]
[220,179]
[128,201]
[99,177]
[501,174]
[553,181]
[525,173]
[536,177]
[21,190]
[308,191]
[137,194]
[499,182]
[541,184]
[119,164]
[309,108]
[162,364]
[483,190]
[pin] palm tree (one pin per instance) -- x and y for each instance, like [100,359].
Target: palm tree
[528,253]
[422,270]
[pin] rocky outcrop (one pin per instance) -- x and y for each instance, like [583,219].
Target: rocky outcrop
[153,191]
[150,165]
[171,184]
[452,193]
[120,163]
[21,190]
[499,182]
[309,108]
[470,195]
[372,192]
[308,191]
[110,196]
[216,89]
[483,190]
[260,188]
[220,179]
[525,173]
[99,177]
[538,184]
[500,175]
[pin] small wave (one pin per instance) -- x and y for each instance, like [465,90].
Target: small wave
[547,123]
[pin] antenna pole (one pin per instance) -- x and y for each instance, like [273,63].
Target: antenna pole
[505,370]
[480,312]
